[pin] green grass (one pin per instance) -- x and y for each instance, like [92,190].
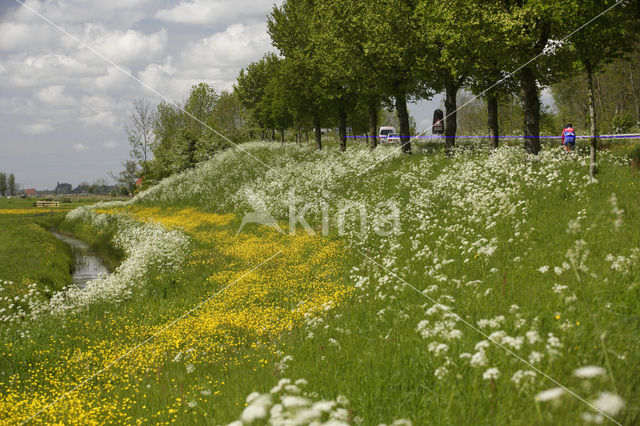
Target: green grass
[28,251]
[385,365]
[382,365]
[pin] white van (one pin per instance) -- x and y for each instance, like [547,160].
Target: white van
[384,132]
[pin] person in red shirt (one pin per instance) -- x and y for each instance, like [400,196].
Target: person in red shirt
[568,138]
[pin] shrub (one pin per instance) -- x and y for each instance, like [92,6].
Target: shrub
[634,155]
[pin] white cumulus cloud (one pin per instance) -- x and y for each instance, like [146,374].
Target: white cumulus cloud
[18,36]
[235,47]
[114,12]
[123,47]
[215,11]
[54,95]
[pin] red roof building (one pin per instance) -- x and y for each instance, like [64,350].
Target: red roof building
[30,192]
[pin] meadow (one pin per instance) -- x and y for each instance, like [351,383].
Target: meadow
[481,288]
[29,253]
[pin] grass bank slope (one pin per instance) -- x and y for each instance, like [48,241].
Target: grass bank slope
[477,288]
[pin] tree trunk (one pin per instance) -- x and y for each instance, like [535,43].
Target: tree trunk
[342,126]
[634,90]
[592,118]
[492,110]
[282,136]
[531,110]
[373,124]
[451,116]
[511,102]
[403,117]
[317,124]
[306,134]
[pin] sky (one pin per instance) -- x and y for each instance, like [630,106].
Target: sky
[63,107]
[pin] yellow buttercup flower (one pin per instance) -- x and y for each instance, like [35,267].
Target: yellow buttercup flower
[248,307]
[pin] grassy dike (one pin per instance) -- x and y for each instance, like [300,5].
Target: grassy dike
[502,250]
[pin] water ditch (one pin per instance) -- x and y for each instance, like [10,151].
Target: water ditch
[87,264]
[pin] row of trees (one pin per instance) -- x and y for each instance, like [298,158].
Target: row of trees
[341,60]
[8,184]
[98,187]
[617,100]
[349,61]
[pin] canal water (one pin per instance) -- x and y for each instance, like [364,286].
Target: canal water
[87,263]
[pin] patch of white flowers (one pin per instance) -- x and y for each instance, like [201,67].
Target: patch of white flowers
[616,211]
[298,177]
[477,192]
[589,372]
[624,264]
[16,303]
[524,380]
[289,404]
[604,404]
